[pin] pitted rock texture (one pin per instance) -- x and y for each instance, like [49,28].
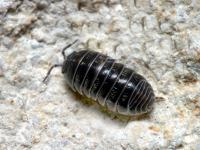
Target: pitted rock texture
[158,39]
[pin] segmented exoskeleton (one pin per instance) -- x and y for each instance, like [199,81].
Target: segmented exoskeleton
[111,84]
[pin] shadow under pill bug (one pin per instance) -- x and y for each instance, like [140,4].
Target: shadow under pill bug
[111,84]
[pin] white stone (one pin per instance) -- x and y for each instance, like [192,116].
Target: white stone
[158,39]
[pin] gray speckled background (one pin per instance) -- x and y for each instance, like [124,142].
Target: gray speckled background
[160,39]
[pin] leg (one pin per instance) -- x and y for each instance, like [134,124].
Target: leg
[49,72]
[66,47]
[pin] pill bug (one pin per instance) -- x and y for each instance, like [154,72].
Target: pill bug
[102,79]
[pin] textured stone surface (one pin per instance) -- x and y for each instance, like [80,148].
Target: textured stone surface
[159,39]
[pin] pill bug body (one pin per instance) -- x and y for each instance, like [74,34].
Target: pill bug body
[111,84]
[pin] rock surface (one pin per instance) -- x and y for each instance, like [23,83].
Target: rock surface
[158,39]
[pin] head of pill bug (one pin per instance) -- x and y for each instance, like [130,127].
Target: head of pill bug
[68,61]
